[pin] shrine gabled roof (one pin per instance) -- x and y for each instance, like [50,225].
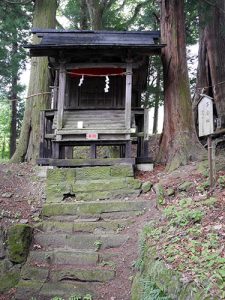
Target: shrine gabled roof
[67,39]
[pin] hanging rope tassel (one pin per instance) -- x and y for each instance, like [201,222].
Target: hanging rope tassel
[81,81]
[106,89]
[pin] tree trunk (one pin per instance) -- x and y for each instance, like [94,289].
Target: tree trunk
[95,9]
[28,145]
[83,15]
[13,97]
[211,58]
[179,143]
[156,107]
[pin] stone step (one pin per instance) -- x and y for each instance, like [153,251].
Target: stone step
[123,215]
[64,257]
[94,208]
[92,189]
[121,194]
[80,241]
[27,289]
[83,226]
[75,258]
[88,173]
[61,273]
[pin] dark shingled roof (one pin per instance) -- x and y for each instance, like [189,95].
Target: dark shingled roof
[55,39]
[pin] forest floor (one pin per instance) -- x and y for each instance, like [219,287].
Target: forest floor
[189,237]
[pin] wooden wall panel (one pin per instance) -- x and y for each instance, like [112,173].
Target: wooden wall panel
[91,93]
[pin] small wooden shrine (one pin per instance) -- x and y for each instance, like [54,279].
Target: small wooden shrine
[98,79]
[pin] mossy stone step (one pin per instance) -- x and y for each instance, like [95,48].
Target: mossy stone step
[92,189]
[83,226]
[98,172]
[123,215]
[80,241]
[42,274]
[27,289]
[94,208]
[105,195]
[76,258]
[78,274]
[64,257]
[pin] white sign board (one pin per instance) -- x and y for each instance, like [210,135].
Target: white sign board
[205,116]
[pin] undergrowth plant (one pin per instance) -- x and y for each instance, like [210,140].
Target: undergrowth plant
[152,292]
[186,243]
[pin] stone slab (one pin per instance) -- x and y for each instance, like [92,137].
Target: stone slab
[92,208]
[84,241]
[63,257]
[78,274]
[82,226]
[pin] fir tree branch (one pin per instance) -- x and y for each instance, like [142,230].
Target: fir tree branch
[136,12]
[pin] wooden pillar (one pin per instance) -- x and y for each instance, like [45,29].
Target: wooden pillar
[128,149]
[146,124]
[61,95]
[93,153]
[55,150]
[146,133]
[42,135]
[55,90]
[68,152]
[128,96]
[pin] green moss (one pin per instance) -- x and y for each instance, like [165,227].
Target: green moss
[137,288]
[61,175]
[160,194]
[185,186]
[55,192]
[146,186]
[92,173]
[19,239]
[133,183]
[34,273]
[98,185]
[9,280]
[167,282]
[122,171]
[92,208]
[96,275]
[170,192]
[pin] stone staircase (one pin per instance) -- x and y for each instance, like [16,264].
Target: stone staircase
[83,228]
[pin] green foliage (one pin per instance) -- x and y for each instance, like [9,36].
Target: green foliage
[152,292]
[183,215]
[14,28]
[79,297]
[184,243]
[203,186]
[97,245]
[221,181]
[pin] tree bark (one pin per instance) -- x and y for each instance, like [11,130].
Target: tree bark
[96,9]
[156,107]
[28,145]
[13,97]
[179,142]
[83,15]
[211,58]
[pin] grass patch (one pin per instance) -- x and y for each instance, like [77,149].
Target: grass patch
[189,246]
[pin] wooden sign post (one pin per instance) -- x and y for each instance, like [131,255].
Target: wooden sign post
[206,128]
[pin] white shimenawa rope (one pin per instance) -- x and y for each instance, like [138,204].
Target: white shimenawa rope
[106,89]
[81,81]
